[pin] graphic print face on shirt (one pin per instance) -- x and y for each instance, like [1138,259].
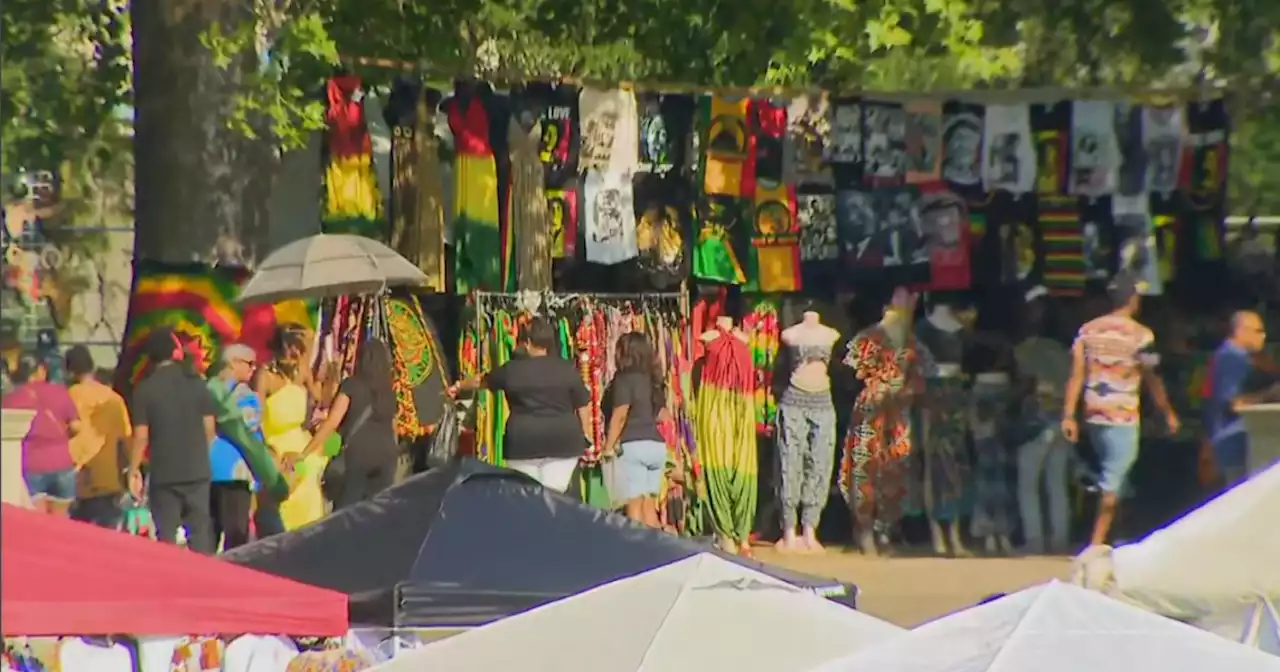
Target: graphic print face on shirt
[885,136]
[845,145]
[1162,135]
[808,130]
[816,217]
[962,149]
[654,143]
[600,117]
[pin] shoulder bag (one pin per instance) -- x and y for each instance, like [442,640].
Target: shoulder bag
[335,471]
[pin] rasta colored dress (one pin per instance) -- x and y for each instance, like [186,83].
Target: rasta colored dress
[724,432]
[873,467]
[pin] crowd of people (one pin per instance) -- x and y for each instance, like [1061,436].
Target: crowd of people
[185,442]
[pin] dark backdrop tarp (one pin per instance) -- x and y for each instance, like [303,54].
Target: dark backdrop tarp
[468,543]
[62,577]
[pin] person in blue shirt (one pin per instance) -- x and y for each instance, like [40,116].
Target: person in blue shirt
[232,488]
[1229,369]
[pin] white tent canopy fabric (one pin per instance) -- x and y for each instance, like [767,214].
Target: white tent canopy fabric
[1056,627]
[1262,628]
[1214,564]
[697,614]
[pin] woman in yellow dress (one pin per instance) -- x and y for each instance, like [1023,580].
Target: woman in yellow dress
[284,387]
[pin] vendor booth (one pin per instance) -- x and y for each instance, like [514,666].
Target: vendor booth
[700,613]
[61,577]
[1215,567]
[1056,627]
[469,543]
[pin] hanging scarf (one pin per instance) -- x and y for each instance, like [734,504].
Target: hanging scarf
[530,218]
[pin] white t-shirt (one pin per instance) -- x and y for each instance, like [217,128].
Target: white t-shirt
[77,654]
[255,653]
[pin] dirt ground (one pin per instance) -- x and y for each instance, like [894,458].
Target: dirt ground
[910,590]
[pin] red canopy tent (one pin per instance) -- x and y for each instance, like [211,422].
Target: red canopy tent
[61,577]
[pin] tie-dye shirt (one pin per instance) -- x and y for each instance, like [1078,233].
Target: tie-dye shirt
[1116,350]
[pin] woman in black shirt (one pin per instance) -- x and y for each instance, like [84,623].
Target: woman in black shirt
[549,417]
[363,413]
[635,399]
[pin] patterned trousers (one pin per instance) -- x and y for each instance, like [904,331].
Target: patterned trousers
[806,455]
[873,472]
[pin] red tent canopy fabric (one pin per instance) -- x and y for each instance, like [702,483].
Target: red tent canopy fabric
[62,577]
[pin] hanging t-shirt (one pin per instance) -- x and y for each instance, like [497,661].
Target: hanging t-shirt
[1207,183]
[881,234]
[562,210]
[1051,131]
[1012,218]
[727,145]
[1008,155]
[1098,234]
[723,224]
[924,141]
[774,264]
[609,214]
[1131,173]
[1064,267]
[666,121]
[816,221]
[610,130]
[884,144]
[808,132]
[1095,152]
[76,654]
[845,147]
[663,213]
[769,128]
[945,221]
[962,139]
[560,146]
[1137,253]
[253,653]
[1163,133]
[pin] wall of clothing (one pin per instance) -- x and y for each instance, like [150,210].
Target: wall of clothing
[545,184]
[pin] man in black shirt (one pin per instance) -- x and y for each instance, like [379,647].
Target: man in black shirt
[174,414]
[549,416]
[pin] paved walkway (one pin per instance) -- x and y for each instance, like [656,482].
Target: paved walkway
[909,591]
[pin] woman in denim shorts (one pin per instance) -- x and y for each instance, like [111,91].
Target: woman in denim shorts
[47,466]
[634,400]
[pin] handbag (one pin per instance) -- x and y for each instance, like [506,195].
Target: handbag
[444,441]
[334,476]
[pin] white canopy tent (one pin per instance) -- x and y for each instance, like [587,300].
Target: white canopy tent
[1056,627]
[700,613]
[1213,567]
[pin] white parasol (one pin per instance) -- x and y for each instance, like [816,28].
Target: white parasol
[326,265]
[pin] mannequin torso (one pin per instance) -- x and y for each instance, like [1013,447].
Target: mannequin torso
[724,325]
[810,342]
[942,333]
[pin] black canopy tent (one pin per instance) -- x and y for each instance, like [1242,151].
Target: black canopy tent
[469,543]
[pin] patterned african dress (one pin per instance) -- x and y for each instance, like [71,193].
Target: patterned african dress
[873,466]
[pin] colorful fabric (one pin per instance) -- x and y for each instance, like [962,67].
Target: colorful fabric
[225,461]
[873,472]
[421,372]
[352,201]
[199,302]
[764,333]
[945,467]
[774,265]
[721,222]
[727,144]
[240,432]
[284,414]
[330,661]
[724,431]
[478,241]
[1064,269]
[1115,350]
[105,427]
[994,503]
[197,654]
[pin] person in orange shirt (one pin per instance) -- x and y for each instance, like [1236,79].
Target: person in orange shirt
[99,449]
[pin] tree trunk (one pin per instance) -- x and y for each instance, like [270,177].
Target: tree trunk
[201,186]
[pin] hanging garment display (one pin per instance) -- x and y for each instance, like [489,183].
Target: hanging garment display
[763,332]
[478,261]
[1136,240]
[1063,234]
[1131,173]
[1163,135]
[844,149]
[352,202]
[884,144]
[1206,176]
[721,242]
[1008,153]
[559,149]
[663,204]
[610,127]
[666,120]
[944,472]
[963,132]
[610,155]
[609,214]
[726,145]
[816,220]
[1098,234]
[774,257]
[872,475]
[379,145]
[562,208]
[530,220]
[1012,220]
[1095,152]
[421,374]
[882,236]
[724,429]
[924,141]
[995,506]
[417,199]
[944,221]
[808,133]
[1051,132]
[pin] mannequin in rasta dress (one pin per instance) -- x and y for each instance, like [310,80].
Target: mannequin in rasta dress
[724,431]
[944,427]
[873,466]
[806,432]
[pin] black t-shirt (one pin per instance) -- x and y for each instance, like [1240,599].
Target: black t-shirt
[373,442]
[173,404]
[633,390]
[544,395]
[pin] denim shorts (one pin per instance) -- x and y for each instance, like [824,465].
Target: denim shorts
[1117,448]
[643,463]
[55,485]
